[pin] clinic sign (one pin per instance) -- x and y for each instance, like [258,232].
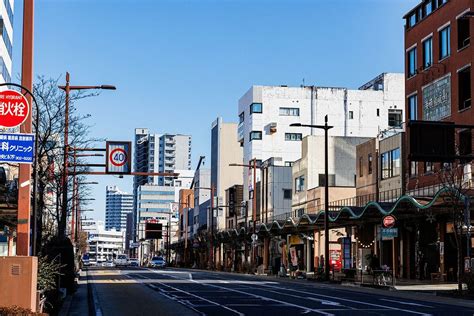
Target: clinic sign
[119,157]
[14,108]
[17,148]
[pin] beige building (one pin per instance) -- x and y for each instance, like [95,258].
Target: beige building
[224,150]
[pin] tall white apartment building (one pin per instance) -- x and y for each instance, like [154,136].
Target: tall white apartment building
[266,112]
[6,13]
[159,153]
[117,205]
[104,244]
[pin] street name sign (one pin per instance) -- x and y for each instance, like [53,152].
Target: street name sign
[119,157]
[14,108]
[17,148]
[388,233]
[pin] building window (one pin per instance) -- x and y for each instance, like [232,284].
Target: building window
[287,194]
[360,167]
[411,57]
[464,88]
[412,20]
[331,182]
[413,107]
[258,163]
[241,117]
[289,163]
[351,115]
[428,167]
[445,42]
[390,162]
[293,136]
[289,111]
[255,135]
[428,53]
[394,118]
[369,159]
[256,108]
[464,36]
[428,8]
[465,142]
[413,168]
[378,112]
[299,184]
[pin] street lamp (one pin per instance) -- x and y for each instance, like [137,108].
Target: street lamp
[254,198]
[325,127]
[67,88]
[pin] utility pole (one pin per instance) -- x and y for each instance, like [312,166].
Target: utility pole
[24,174]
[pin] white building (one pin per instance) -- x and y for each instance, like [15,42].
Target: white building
[159,153]
[117,205]
[105,244]
[266,112]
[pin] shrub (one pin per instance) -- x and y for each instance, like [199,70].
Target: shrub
[16,310]
[469,280]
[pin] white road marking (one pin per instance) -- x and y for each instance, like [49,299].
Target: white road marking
[347,300]
[201,298]
[405,303]
[305,309]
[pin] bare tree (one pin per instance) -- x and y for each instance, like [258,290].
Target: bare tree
[51,218]
[452,177]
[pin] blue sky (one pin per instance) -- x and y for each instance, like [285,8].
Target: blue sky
[178,64]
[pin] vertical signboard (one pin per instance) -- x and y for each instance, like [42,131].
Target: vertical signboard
[119,157]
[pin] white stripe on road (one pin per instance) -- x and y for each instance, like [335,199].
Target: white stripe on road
[201,298]
[405,303]
[305,309]
[347,300]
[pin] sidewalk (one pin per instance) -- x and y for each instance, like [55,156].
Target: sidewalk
[78,303]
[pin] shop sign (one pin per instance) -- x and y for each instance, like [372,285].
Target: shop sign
[295,240]
[388,233]
[388,221]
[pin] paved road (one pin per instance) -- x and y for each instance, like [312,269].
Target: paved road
[190,292]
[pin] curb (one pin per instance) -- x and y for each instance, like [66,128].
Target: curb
[92,298]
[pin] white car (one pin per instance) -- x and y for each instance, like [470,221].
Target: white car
[121,261]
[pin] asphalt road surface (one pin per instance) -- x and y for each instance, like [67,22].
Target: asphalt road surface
[183,292]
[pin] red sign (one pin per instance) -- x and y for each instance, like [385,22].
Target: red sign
[118,157]
[389,221]
[14,108]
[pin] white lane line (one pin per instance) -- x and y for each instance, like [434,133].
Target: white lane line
[347,300]
[201,298]
[264,298]
[405,303]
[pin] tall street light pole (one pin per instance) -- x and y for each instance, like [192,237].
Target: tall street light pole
[254,198]
[67,89]
[325,127]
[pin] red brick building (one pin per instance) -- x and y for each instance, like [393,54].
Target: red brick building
[438,84]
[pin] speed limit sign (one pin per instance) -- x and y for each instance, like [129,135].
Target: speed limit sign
[119,160]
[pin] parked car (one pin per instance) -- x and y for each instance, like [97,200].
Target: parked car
[109,264]
[157,262]
[121,261]
[134,262]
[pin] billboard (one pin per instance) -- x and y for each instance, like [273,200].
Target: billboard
[437,99]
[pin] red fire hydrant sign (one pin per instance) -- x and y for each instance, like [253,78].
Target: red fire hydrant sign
[14,108]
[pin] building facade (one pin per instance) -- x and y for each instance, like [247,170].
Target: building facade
[117,205]
[159,153]
[266,112]
[104,245]
[224,150]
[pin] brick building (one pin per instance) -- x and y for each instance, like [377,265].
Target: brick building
[438,83]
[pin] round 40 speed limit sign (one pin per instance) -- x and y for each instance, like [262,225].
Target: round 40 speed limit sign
[118,157]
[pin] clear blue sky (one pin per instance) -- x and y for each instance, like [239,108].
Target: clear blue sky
[178,64]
